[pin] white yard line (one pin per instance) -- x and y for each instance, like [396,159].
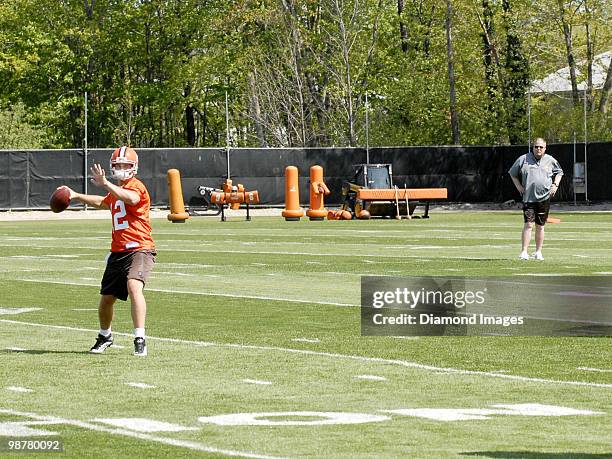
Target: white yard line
[287,300]
[140,385]
[597,253]
[257,381]
[226,295]
[596,370]
[359,358]
[193,445]
[173,273]
[371,378]
[15,311]
[23,390]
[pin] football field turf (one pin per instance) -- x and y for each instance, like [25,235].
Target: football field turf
[255,347]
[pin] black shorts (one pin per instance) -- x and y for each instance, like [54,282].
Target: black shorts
[122,266]
[536,212]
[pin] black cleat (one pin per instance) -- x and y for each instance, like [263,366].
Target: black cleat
[102,342]
[140,346]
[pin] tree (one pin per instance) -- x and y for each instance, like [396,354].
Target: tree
[451,74]
[569,46]
[516,77]
[296,71]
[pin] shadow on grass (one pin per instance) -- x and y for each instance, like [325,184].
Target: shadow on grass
[534,455]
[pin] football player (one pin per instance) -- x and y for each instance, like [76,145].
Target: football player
[132,253]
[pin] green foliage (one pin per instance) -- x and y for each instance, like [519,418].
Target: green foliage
[296,71]
[17,132]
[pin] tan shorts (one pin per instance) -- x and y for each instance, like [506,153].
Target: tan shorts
[122,266]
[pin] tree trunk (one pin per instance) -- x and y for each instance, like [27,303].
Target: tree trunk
[89,8]
[402,26]
[606,91]
[204,122]
[348,79]
[256,110]
[489,52]
[516,82]
[569,47]
[372,47]
[313,98]
[189,119]
[451,74]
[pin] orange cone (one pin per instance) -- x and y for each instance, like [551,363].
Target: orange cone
[293,211]
[175,192]
[318,190]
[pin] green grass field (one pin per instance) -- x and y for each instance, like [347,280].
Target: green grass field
[263,317]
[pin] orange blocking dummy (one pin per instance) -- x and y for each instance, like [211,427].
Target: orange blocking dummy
[234,197]
[318,190]
[229,188]
[293,211]
[175,192]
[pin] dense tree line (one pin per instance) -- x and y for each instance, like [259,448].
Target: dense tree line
[297,72]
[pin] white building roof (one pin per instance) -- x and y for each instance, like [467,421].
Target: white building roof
[559,81]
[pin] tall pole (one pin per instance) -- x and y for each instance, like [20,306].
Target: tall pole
[227,136]
[367,128]
[574,172]
[586,162]
[529,120]
[85,151]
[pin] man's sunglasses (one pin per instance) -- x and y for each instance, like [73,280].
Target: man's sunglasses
[539,146]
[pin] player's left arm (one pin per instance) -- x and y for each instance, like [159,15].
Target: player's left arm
[557,173]
[130,197]
[557,176]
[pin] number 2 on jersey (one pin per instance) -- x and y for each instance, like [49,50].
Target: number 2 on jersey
[119,214]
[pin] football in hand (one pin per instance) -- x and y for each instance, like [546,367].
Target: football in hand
[60,200]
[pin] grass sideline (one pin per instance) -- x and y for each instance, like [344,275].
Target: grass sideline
[236,305]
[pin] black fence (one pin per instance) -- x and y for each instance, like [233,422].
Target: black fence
[471,174]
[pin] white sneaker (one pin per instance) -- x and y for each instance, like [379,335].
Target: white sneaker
[524,256]
[538,256]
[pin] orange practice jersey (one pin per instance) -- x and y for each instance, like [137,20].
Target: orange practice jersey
[131,225]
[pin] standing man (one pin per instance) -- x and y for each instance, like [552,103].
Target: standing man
[536,176]
[132,249]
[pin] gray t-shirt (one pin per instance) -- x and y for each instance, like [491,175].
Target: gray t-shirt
[535,176]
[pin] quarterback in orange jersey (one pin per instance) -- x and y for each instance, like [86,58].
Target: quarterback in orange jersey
[132,254]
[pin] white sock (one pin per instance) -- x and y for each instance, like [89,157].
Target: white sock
[105,332]
[139,333]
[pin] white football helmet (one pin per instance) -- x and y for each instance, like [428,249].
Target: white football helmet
[124,155]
